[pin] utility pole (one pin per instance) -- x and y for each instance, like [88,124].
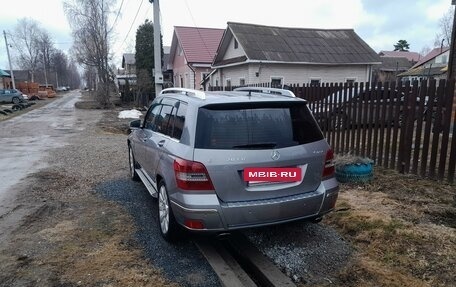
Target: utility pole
[45,73]
[452,59]
[158,75]
[9,60]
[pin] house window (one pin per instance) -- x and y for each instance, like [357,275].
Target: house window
[228,83]
[241,82]
[276,82]
[315,82]
[236,44]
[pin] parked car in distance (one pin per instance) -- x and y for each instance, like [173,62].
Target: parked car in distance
[13,96]
[210,158]
[63,89]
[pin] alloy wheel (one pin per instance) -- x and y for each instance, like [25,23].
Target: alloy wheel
[132,163]
[163,209]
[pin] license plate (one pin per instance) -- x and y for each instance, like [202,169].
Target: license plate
[265,175]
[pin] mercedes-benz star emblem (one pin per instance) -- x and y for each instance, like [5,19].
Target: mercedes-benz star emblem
[275,155]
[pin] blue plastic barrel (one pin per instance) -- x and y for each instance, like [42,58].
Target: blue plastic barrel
[354,172]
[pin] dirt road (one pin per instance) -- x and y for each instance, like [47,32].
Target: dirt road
[25,142]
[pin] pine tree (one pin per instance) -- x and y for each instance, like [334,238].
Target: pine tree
[402,45]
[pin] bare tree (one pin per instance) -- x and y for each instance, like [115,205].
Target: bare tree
[27,33]
[74,78]
[425,50]
[443,37]
[59,64]
[89,22]
[46,50]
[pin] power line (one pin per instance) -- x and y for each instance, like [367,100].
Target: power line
[197,29]
[132,23]
[117,16]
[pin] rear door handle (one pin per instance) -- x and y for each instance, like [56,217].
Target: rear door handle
[161,143]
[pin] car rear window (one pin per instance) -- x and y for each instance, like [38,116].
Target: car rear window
[256,126]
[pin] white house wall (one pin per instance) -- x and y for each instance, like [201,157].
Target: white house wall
[291,74]
[233,53]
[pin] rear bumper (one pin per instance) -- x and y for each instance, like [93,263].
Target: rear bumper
[219,216]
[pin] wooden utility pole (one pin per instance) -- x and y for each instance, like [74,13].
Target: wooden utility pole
[452,60]
[9,61]
[158,75]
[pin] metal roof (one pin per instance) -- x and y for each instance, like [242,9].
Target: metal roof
[431,55]
[298,45]
[411,56]
[424,72]
[198,44]
[395,63]
[4,74]
[128,59]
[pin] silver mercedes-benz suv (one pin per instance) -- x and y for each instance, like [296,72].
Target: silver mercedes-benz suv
[220,161]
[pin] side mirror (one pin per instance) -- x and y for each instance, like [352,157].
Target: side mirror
[136,124]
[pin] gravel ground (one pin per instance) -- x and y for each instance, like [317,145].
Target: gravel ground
[309,253]
[181,262]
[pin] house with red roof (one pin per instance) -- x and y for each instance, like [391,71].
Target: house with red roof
[191,55]
[412,57]
[434,65]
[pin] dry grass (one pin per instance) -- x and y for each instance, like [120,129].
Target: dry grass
[403,228]
[90,246]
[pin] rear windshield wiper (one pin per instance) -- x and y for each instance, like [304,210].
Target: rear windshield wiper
[255,146]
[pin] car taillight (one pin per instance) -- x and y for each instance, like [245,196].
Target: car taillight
[191,175]
[329,169]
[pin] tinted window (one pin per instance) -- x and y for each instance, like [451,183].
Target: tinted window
[162,120]
[149,121]
[259,127]
[179,120]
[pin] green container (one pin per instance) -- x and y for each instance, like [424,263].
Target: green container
[354,172]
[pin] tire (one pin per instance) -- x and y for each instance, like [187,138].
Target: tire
[132,165]
[316,219]
[16,100]
[167,223]
[16,107]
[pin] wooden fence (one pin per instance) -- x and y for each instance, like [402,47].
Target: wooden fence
[409,127]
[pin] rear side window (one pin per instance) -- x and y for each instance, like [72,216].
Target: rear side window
[167,119]
[261,126]
[179,120]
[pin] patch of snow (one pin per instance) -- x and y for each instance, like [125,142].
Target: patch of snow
[131,114]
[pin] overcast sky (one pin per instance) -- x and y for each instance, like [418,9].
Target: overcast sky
[380,23]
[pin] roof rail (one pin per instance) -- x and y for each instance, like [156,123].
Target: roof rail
[272,91]
[187,92]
